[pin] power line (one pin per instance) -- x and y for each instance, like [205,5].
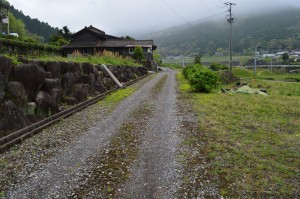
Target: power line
[203,2]
[172,9]
[184,20]
[211,10]
[188,23]
[199,21]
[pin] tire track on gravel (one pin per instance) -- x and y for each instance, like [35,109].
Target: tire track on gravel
[156,171]
[111,165]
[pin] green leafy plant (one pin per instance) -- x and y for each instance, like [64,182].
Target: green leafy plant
[21,47]
[138,53]
[201,79]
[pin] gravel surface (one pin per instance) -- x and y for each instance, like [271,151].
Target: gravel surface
[45,161]
[155,173]
[132,151]
[62,173]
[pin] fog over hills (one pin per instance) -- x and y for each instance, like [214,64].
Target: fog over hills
[273,30]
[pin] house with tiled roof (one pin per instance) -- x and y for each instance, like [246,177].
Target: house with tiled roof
[91,41]
[295,53]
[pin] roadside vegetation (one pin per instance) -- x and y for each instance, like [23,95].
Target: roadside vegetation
[268,75]
[201,78]
[106,57]
[250,142]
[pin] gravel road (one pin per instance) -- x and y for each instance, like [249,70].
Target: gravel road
[152,172]
[156,171]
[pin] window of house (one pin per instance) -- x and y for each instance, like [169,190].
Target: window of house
[131,50]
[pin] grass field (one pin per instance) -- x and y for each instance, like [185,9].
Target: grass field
[276,84]
[265,75]
[252,142]
[205,59]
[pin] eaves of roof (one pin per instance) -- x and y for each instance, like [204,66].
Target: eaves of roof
[113,44]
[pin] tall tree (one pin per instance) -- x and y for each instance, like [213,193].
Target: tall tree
[16,25]
[62,37]
[285,57]
[65,33]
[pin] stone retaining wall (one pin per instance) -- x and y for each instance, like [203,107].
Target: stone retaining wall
[36,89]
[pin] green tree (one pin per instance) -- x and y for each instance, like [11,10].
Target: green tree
[220,51]
[63,37]
[16,25]
[197,59]
[57,40]
[285,57]
[127,37]
[5,2]
[138,53]
[65,33]
[157,57]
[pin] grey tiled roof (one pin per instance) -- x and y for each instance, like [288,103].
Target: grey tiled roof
[112,44]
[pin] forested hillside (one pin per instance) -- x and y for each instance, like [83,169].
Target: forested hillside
[276,30]
[33,26]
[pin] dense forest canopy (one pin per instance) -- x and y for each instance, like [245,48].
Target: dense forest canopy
[274,31]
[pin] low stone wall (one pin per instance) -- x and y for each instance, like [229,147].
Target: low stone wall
[36,89]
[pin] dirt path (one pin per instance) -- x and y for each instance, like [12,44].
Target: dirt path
[150,172]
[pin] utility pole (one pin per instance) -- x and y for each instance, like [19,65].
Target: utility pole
[230,21]
[255,59]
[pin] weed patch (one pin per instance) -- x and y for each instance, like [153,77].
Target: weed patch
[116,97]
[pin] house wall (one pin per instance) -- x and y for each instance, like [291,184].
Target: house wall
[83,37]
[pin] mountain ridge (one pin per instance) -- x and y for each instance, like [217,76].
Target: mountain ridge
[273,30]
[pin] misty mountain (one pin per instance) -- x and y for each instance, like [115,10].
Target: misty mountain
[273,31]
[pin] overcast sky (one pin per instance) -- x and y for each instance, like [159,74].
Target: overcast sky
[126,17]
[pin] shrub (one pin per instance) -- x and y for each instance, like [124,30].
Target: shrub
[217,66]
[201,79]
[188,70]
[227,77]
[138,53]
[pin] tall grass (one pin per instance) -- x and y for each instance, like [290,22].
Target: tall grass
[107,57]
